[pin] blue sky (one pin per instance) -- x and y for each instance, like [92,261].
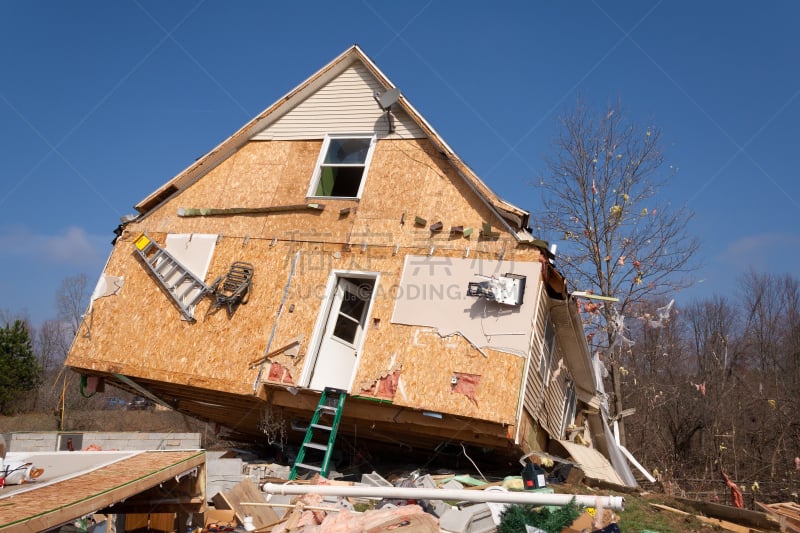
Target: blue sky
[103,102]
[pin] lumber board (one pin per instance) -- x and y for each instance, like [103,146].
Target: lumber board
[730,526]
[745,517]
[243,493]
[787,514]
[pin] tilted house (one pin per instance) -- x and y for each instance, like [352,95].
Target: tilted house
[361,234]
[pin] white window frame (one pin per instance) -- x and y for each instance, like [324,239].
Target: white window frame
[312,189]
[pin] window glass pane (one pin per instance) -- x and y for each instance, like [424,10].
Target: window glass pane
[352,306]
[326,182]
[345,329]
[347,151]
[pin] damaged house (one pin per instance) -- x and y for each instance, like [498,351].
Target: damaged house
[336,241]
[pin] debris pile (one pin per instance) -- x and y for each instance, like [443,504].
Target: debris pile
[415,502]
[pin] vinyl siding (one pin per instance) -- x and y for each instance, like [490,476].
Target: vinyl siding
[554,396]
[533,381]
[345,105]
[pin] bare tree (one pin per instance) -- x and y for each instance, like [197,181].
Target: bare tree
[771,330]
[620,239]
[71,300]
[51,342]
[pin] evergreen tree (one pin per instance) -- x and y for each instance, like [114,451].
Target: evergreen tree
[19,370]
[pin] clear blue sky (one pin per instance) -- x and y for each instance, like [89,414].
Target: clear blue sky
[102,102]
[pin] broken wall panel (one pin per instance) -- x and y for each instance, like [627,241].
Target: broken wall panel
[429,364]
[433,292]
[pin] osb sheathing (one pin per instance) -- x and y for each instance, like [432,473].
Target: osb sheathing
[406,179]
[138,332]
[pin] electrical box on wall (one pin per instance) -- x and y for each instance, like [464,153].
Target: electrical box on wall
[507,289]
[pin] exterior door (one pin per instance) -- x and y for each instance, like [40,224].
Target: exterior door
[344,329]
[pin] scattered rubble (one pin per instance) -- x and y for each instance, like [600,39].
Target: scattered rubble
[416,502]
[454,502]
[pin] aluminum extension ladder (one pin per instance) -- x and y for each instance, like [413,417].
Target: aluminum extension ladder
[315,452]
[180,283]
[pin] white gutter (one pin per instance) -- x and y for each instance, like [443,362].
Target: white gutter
[534,498]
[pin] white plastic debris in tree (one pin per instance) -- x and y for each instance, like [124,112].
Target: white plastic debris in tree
[620,339]
[661,317]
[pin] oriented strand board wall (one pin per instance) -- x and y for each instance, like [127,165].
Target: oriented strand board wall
[406,179]
[138,332]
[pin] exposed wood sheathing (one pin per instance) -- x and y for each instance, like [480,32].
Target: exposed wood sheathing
[138,332]
[405,176]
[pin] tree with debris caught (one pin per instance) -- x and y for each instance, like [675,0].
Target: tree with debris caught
[19,369]
[619,239]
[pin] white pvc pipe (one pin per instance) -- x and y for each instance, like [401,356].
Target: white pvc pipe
[534,498]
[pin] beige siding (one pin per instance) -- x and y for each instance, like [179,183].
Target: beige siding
[345,105]
[533,381]
[545,401]
[554,396]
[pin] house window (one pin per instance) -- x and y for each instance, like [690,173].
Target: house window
[548,349]
[342,166]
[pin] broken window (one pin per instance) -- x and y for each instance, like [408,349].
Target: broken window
[342,166]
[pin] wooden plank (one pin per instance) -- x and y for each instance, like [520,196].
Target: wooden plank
[230,211]
[730,526]
[787,514]
[745,517]
[246,492]
[282,349]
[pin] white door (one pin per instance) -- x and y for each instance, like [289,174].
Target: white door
[337,353]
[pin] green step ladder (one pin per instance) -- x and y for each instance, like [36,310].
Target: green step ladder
[315,452]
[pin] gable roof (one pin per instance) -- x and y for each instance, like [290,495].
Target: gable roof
[514,218]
